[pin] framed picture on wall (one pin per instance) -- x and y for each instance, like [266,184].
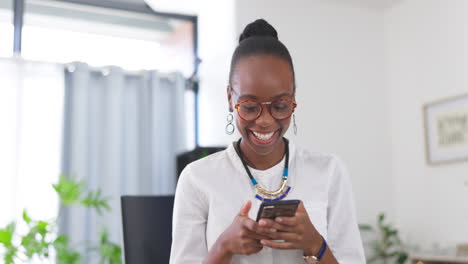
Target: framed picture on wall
[446,129]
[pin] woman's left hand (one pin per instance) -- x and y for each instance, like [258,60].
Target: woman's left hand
[298,232]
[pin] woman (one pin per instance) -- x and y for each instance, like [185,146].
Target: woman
[218,197]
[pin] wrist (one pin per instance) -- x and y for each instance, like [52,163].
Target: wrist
[315,247]
[218,253]
[222,247]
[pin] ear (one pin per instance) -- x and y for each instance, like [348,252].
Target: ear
[229,96]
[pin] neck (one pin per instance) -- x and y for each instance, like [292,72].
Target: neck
[259,161]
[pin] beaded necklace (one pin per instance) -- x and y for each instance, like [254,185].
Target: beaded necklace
[261,193]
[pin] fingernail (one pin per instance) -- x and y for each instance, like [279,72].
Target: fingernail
[278,219]
[272,230]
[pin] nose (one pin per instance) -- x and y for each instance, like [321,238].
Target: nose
[265,119]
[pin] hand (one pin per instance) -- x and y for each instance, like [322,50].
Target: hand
[244,234]
[298,232]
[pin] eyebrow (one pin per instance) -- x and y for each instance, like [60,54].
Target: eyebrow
[250,96]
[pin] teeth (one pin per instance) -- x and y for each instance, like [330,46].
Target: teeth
[263,136]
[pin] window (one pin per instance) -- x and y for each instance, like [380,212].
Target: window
[6,29]
[64,32]
[30,132]
[60,32]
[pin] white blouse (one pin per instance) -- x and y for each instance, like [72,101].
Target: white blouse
[212,190]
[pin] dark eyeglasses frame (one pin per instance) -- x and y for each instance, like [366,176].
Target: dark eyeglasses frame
[237,106]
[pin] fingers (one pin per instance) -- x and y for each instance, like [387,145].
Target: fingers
[250,247]
[298,231]
[287,221]
[253,226]
[278,245]
[256,236]
[254,244]
[286,236]
[245,209]
[268,223]
[301,208]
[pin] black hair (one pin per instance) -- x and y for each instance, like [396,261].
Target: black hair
[260,38]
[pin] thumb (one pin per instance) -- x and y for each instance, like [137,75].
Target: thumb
[245,208]
[301,208]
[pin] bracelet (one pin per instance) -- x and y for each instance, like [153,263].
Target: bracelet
[319,255]
[322,249]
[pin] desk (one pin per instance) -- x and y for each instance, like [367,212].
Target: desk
[438,260]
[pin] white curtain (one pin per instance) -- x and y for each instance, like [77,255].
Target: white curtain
[31,107]
[122,133]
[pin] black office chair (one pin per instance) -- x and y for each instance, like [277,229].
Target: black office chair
[147,228]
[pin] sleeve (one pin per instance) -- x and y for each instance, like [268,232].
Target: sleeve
[188,222]
[344,238]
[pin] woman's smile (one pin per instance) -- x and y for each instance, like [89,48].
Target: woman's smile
[263,138]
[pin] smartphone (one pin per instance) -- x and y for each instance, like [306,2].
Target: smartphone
[272,209]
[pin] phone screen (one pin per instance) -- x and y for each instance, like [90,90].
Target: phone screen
[274,209]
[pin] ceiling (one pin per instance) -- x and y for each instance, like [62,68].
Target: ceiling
[377,4]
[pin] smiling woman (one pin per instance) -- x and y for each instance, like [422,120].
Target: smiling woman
[268,80]
[217,197]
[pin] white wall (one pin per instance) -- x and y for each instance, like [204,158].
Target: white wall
[427,55]
[339,60]
[217,41]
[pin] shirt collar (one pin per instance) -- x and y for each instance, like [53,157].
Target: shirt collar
[237,163]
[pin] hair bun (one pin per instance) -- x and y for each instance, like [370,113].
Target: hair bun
[258,28]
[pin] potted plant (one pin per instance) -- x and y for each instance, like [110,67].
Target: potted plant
[386,246]
[41,241]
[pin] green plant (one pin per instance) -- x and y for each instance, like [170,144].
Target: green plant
[387,247]
[42,239]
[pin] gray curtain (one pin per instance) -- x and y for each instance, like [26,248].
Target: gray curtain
[122,132]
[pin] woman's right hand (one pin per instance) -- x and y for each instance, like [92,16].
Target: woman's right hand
[244,234]
[242,237]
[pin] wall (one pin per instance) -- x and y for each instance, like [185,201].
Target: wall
[343,108]
[426,44]
[216,32]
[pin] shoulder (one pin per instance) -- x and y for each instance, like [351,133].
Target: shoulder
[327,166]
[197,177]
[318,159]
[204,167]
[209,162]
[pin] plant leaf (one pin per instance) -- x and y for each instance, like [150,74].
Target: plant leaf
[34,242]
[6,235]
[381,217]
[365,227]
[388,247]
[41,228]
[402,257]
[110,253]
[69,190]
[96,201]
[6,239]
[26,218]
[65,255]
[10,254]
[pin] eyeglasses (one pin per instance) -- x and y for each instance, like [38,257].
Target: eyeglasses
[250,110]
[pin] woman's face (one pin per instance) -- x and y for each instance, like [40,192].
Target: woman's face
[263,78]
